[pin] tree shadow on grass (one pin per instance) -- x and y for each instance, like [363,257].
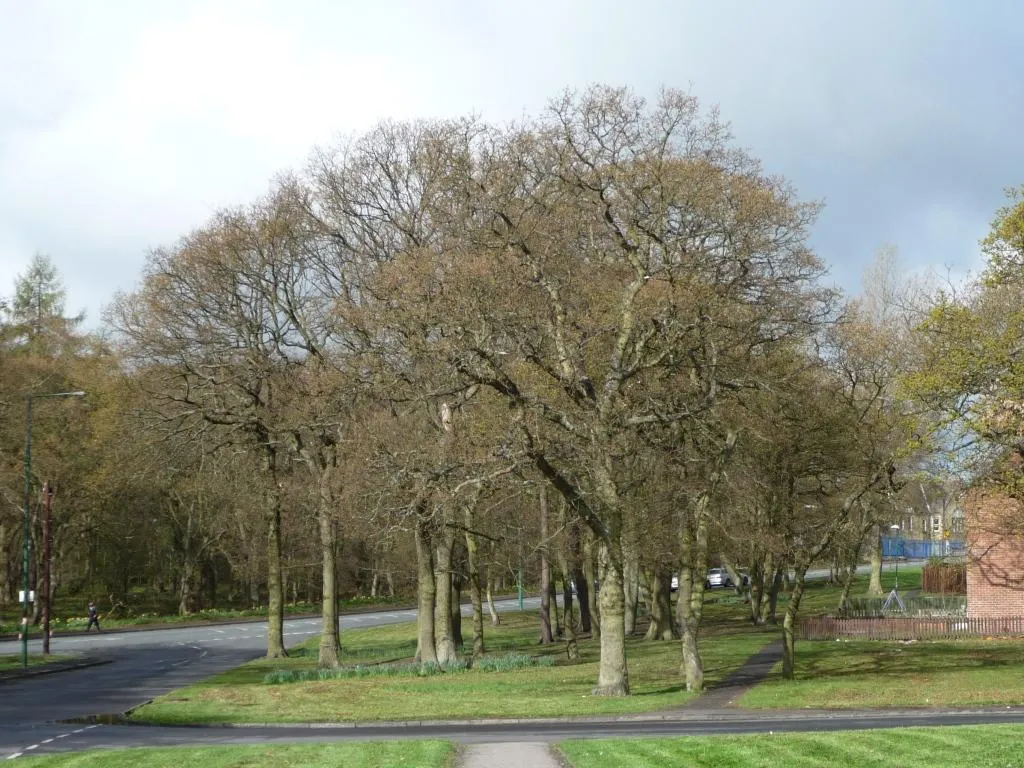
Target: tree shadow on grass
[822,660]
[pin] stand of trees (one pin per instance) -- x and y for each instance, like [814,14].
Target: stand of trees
[593,346]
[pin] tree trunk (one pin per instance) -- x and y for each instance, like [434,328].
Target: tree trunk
[495,618]
[588,594]
[426,650]
[759,574]
[275,591]
[572,649]
[578,577]
[789,625]
[330,635]
[456,611]
[553,617]
[847,577]
[847,570]
[444,643]
[473,569]
[875,587]
[546,637]
[734,575]
[693,666]
[185,598]
[5,564]
[613,674]
[768,611]
[694,545]
[630,576]
[661,627]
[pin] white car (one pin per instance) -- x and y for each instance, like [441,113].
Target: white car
[717,577]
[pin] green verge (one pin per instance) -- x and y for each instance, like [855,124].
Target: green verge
[416,754]
[984,746]
[857,674]
[241,695]
[11,662]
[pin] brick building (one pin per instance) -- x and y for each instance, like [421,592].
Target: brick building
[995,562]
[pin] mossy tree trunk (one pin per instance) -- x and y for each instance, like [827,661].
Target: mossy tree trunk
[661,627]
[474,571]
[444,642]
[426,647]
[546,636]
[789,624]
[613,673]
[875,585]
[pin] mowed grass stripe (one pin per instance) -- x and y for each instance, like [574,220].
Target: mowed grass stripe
[415,754]
[861,674]
[988,746]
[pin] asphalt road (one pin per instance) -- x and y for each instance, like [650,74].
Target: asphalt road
[34,712]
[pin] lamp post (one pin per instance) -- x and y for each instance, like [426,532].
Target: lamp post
[896,532]
[26,549]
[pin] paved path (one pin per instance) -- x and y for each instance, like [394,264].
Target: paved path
[521,754]
[755,669]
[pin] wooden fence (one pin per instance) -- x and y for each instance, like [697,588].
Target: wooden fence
[906,628]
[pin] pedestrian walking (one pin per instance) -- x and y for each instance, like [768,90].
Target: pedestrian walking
[94,617]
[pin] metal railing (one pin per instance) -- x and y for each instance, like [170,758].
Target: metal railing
[922,549]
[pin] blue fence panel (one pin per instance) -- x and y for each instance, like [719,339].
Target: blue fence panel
[921,549]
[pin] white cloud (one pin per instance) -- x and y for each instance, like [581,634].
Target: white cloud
[125,124]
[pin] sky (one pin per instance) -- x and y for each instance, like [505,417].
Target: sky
[125,124]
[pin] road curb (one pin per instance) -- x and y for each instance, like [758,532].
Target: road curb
[51,669]
[711,715]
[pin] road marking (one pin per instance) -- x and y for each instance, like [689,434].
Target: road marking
[16,754]
[46,741]
[34,746]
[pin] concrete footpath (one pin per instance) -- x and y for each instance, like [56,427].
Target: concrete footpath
[516,754]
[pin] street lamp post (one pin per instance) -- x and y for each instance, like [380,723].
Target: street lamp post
[896,532]
[26,548]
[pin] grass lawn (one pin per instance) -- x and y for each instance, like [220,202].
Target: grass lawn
[415,754]
[982,746]
[564,689]
[893,674]
[12,661]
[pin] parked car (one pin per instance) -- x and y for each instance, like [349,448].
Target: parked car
[717,577]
